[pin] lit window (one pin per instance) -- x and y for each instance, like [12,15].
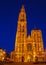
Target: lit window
[23,29]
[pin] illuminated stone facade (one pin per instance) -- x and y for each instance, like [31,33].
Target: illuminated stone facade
[27,48]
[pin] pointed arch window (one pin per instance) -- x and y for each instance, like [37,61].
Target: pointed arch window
[29,47]
[23,29]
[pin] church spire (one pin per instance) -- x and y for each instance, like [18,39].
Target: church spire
[22,14]
[22,9]
[21,28]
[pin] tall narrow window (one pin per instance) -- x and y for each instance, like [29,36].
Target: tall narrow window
[29,47]
[23,29]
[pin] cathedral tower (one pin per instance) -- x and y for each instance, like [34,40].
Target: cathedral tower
[21,35]
[37,45]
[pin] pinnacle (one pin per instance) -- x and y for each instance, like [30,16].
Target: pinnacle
[22,9]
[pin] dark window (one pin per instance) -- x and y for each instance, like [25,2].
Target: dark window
[35,45]
[36,58]
[29,47]
[22,48]
[22,19]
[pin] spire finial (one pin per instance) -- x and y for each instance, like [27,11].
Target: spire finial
[23,6]
[23,9]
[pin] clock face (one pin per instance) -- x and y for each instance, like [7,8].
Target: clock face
[29,47]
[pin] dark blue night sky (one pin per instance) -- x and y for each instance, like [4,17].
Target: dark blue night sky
[9,11]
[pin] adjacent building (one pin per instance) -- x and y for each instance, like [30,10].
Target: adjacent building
[2,54]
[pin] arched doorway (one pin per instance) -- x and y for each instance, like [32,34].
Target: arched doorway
[36,59]
[22,59]
[29,58]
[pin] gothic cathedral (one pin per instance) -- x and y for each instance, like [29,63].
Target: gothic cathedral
[27,48]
